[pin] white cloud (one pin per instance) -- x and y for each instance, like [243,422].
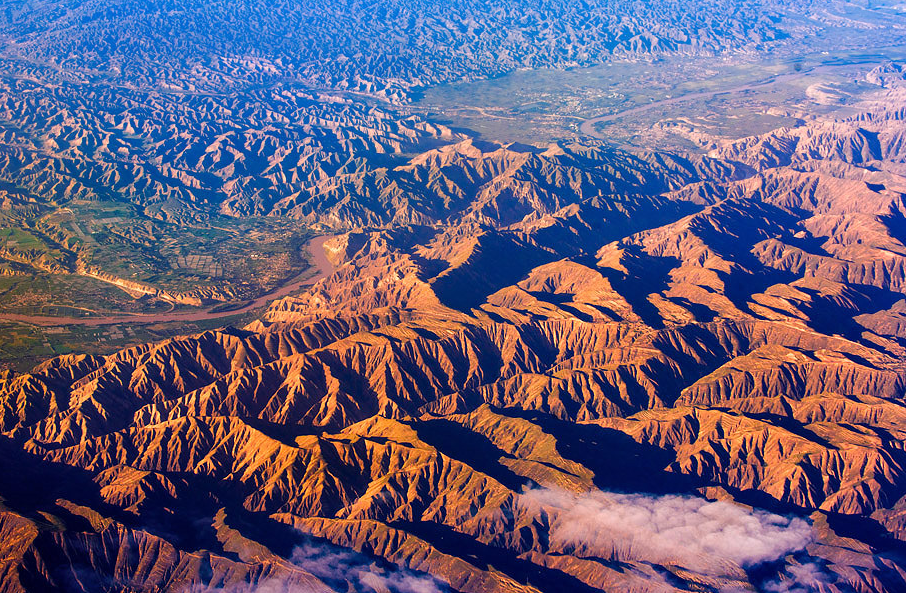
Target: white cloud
[689,531]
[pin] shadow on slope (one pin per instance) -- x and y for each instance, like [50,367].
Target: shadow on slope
[473,449]
[619,463]
[485,557]
[496,262]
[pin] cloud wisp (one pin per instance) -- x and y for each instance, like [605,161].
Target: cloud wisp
[800,578]
[357,571]
[334,566]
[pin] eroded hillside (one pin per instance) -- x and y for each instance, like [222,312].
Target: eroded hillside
[561,368]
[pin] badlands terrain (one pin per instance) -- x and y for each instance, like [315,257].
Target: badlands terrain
[343,342]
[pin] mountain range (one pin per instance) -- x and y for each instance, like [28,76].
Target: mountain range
[561,368]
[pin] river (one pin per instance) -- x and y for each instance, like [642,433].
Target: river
[319,261]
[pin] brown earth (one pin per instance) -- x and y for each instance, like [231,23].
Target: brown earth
[584,322]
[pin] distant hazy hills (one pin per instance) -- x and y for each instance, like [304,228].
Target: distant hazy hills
[382,48]
[244,108]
